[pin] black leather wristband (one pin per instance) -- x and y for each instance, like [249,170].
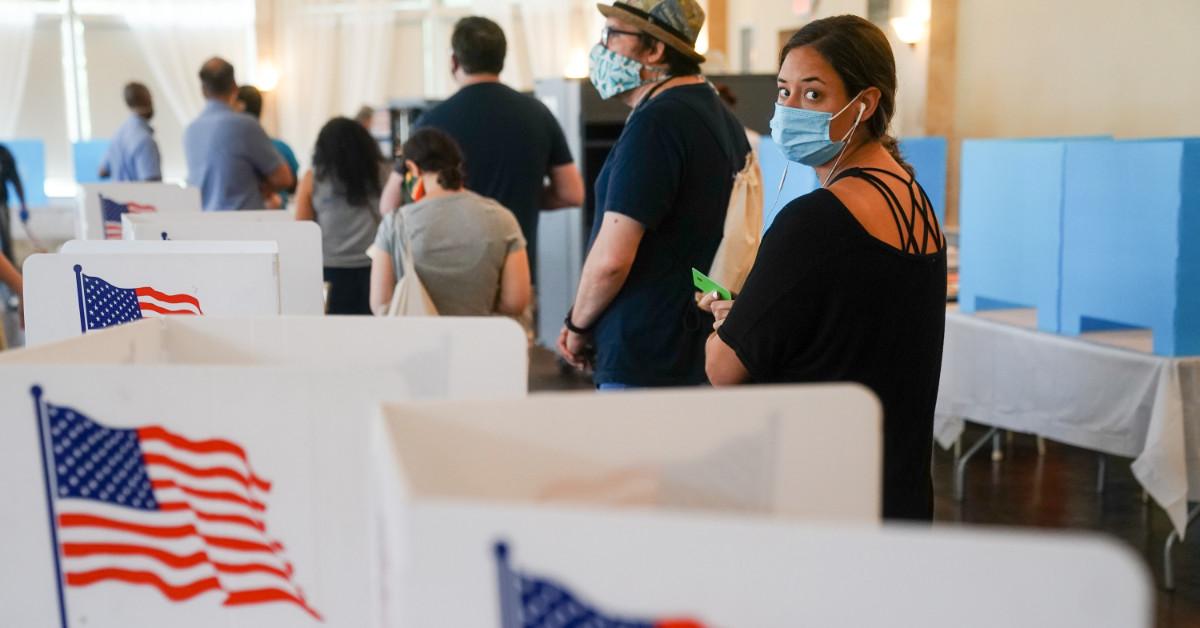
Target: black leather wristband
[571,326]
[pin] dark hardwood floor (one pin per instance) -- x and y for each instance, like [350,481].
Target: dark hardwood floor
[1057,490]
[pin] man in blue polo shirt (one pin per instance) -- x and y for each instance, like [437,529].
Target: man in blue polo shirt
[132,154]
[229,156]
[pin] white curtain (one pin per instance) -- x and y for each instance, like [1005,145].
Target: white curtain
[16,45]
[545,37]
[177,36]
[335,56]
[366,55]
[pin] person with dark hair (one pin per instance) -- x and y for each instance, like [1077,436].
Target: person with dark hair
[661,199]
[850,280]
[9,176]
[9,274]
[229,156]
[132,153]
[250,101]
[468,250]
[341,193]
[512,142]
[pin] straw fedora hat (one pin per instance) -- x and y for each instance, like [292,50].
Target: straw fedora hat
[676,23]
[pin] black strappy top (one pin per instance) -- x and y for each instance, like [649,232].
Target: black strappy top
[827,301]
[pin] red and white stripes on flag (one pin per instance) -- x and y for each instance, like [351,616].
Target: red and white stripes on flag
[207,535]
[155,302]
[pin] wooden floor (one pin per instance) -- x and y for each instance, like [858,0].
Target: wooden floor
[1057,490]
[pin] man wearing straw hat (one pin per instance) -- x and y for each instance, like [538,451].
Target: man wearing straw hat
[661,198]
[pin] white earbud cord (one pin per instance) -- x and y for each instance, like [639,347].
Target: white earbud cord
[779,190]
[842,153]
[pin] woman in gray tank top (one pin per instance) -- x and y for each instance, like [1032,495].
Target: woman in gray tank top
[341,193]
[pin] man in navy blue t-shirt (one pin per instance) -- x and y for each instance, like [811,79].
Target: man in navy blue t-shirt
[661,199]
[511,142]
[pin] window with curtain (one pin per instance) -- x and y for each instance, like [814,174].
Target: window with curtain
[60,91]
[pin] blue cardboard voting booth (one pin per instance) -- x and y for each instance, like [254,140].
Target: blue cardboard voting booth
[1126,260]
[801,180]
[1010,226]
[927,156]
[31,165]
[88,155]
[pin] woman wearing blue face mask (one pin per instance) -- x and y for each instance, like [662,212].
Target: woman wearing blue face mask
[850,280]
[660,197]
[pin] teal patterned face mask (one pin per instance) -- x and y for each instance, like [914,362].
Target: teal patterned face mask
[614,74]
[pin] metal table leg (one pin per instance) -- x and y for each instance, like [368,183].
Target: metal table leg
[961,468]
[1172,538]
[997,449]
[1101,472]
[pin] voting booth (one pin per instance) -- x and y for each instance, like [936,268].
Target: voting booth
[1010,226]
[301,281]
[249,502]
[797,452]
[1127,261]
[513,566]
[93,285]
[88,156]
[101,205]
[928,158]
[30,155]
[697,508]
[778,189]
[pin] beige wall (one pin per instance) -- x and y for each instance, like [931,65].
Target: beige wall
[768,18]
[1054,67]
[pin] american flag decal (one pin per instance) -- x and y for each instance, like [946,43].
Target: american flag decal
[151,508]
[528,601]
[111,211]
[102,304]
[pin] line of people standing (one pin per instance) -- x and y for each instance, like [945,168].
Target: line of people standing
[849,283]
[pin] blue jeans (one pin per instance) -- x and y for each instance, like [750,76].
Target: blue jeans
[613,386]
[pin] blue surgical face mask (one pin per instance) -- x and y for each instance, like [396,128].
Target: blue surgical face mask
[614,74]
[803,134]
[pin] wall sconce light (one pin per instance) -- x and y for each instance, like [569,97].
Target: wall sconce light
[266,77]
[910,29]
[577,64]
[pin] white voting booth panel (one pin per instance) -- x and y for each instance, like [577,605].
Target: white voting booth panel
[705,571]
[92,247]
[254,440]
[300,278]
[808,452]
[85,289]
[101,205]
[761,449]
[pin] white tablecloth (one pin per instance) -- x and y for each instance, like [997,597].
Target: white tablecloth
[1103,391]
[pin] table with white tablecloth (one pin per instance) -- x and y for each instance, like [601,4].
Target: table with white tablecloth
[1102,391]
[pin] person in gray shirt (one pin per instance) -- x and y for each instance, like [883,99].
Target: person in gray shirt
[229,156]
[132,153]
[468,250]
[341,193]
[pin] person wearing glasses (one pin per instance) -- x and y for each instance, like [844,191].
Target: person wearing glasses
[661,198]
